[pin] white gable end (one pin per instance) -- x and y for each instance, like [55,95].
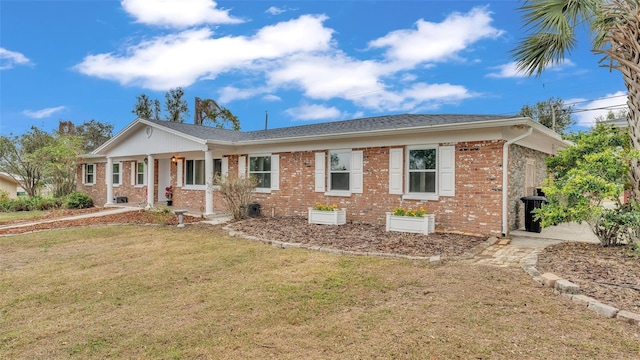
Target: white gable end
[152,140]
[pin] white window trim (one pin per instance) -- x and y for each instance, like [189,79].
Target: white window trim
[194,186]
[144,174]
[85,173]
[328,174]
[415,195]
[119,163]
[355,173]
[248,172]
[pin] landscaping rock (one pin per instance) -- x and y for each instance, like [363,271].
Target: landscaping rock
[582,299]
[567,287]
[549,279]
[628,317]
[603,309]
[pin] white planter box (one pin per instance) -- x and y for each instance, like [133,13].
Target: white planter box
[335,217]
[413,224]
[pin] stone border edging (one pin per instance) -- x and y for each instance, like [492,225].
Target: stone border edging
[572,291]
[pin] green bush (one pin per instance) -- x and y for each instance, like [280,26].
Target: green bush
[78,200]
[4,196]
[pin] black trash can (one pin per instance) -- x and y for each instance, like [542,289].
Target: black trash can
[253,209]
[531,203]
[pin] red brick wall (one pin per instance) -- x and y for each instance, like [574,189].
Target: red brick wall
[476,208]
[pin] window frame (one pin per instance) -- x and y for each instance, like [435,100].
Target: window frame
[329,172]
[270,172]
[118,173]
[408,194]
[143,174]
[87,174]
[193,185]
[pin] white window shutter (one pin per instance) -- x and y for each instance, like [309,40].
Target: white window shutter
[395,171]
[356,172]
[447,170]
[320,174]
[242,166]
[84,173]
[224,166]
[275,172]
[133,172]
[179,173]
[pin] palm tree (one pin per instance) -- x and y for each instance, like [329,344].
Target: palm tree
[615,31]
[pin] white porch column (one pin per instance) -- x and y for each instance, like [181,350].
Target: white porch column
[109,180]
[208,170]
[150,180]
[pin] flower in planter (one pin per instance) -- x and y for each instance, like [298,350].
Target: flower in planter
[323,207]
[400,211]
[168,192]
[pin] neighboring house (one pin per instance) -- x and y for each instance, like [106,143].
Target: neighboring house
[456,166]
[10,185]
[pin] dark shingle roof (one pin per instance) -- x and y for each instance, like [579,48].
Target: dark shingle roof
[389,122]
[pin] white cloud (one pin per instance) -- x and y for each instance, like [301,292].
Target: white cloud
[274,10]
[600,107]
[436,42]
[271,97]
[510,70]
[43,113]
[301,54]
[9,59]
[181,59]
[177,13]
[327,76]
[314,112]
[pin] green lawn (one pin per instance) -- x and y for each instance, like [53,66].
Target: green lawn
[20,215]
[164,292]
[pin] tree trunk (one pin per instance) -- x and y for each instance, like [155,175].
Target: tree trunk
[624,56]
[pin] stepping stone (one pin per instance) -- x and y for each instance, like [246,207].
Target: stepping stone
[504,242]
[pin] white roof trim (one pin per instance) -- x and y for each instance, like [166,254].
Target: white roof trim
[137,121]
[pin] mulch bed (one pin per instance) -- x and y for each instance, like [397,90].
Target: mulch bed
[358,237]
[609,274]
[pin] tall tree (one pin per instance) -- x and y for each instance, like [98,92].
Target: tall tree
[175,105]
[156,110]
[93,134]
[552,113]
[142,108]
[58,160]
[18,159]
[208,111]
[615,30]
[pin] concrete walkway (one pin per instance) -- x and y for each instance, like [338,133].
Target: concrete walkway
[104,212]
[522,245]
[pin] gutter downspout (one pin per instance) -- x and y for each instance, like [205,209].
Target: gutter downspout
[505,182]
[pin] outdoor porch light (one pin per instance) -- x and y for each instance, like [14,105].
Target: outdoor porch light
[146,161]
[174,159]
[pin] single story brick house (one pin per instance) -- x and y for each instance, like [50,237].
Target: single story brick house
[456,166]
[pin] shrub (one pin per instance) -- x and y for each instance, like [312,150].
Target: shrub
[78,200]
[4,196]
[236,192]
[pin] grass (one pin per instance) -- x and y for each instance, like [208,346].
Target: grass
[20,215]
[163,292]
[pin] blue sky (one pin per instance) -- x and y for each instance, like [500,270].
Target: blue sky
[302,61]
